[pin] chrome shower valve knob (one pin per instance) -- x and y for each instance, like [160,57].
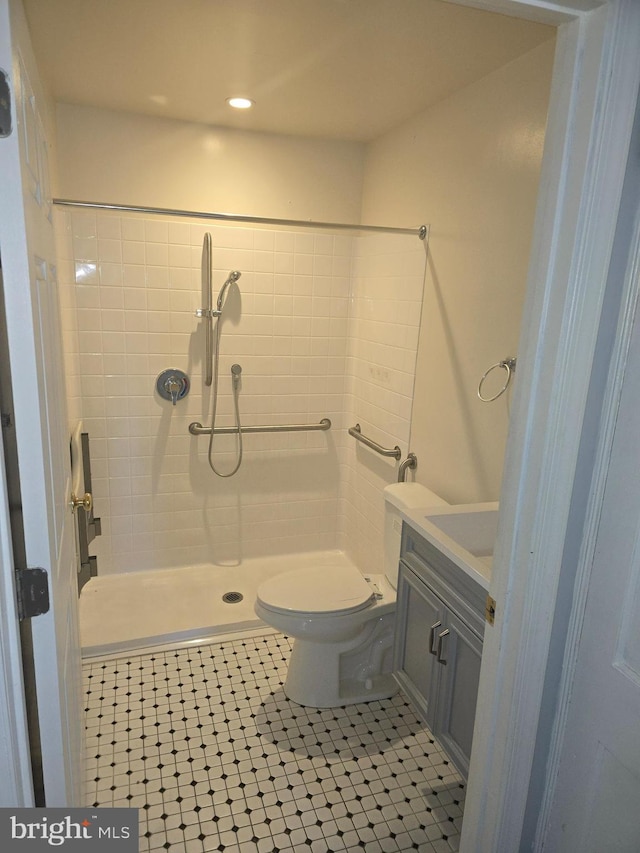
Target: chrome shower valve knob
[172,384]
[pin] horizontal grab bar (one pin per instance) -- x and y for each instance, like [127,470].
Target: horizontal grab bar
[356,432]
[197,428]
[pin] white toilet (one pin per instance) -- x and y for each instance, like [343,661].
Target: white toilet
[342,621]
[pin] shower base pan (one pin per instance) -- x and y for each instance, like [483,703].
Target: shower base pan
[142,610]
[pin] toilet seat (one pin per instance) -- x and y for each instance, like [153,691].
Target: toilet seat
[320,590]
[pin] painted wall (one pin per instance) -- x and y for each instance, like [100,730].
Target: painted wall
[469,166]
[132,159]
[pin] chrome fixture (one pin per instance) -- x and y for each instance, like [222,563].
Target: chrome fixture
[196,428]
[356,432]
[508,364]
[236,371]
[420,231]
[410,462]
[172,384]
[234,275]
[206,313]
[212,353]
[210,313]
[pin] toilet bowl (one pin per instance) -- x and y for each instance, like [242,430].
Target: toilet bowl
[342,622]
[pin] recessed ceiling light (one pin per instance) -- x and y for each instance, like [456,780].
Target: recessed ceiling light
[240,103]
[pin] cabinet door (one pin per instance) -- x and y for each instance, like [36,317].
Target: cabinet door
[460,653]
[419,617]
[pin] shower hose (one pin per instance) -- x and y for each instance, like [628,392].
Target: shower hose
[235,379]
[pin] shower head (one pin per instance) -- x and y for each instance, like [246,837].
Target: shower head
[234,275]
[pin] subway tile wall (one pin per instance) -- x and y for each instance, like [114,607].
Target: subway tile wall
[130,288]
[387,284]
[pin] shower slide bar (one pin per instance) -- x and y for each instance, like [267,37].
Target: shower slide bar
[196,428]
[207,314]
[356,432]
[420,231]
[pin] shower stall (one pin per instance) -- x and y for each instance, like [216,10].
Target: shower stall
[321,333]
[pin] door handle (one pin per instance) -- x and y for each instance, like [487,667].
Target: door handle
[432,636]
[86,502]
[441,638]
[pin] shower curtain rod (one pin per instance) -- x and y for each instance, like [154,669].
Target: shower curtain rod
[420,232]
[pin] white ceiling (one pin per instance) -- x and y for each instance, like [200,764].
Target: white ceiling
[340,69]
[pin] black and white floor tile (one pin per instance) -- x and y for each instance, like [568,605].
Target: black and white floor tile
[206,745]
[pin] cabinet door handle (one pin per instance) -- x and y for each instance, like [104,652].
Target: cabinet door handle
[432,637]
[441,637]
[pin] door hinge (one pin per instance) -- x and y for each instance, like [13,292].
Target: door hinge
[490,610]
[5,105]
[32,590]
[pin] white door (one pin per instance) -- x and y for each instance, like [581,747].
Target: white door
[27,251]
[596,805]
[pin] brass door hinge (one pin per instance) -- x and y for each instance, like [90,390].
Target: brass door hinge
[490,610]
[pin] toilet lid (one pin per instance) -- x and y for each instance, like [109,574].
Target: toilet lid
[321,589]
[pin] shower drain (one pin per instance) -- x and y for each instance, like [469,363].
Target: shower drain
[232,597]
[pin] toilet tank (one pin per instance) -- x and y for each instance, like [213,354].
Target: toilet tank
[399,496]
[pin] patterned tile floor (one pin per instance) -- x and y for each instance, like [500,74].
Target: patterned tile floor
[205,743]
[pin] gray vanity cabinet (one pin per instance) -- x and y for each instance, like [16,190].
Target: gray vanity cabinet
[438,643]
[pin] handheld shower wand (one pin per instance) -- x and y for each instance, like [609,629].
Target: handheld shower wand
[234,275]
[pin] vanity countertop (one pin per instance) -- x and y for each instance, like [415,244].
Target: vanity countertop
[465,534]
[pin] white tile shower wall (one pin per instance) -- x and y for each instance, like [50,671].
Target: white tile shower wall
[301,331]
[137,284]
[386,303]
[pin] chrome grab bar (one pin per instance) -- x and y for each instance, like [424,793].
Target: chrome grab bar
[196,428]
[356,432]
[410,462]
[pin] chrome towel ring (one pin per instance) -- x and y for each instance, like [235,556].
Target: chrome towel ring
[508,364]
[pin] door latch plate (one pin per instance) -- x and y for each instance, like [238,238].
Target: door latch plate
[490,610]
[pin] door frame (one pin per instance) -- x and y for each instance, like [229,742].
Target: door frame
[16,787]
[567,331]
[583,170]
[50,645]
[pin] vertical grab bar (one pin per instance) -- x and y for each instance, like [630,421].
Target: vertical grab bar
[207,286]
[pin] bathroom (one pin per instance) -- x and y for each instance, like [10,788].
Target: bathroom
[308,336]
[467,166]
